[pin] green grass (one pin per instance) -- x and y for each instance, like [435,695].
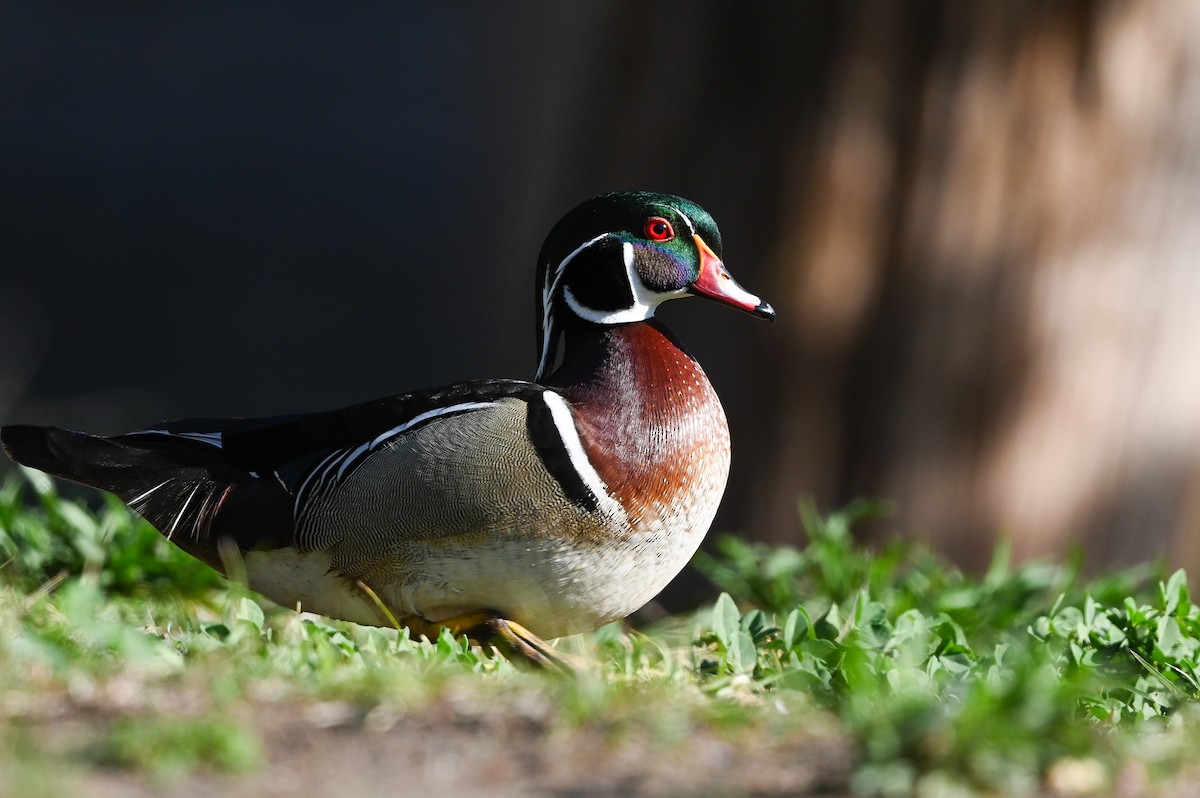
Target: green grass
[939,683]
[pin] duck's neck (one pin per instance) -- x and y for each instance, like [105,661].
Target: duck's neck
[647,416]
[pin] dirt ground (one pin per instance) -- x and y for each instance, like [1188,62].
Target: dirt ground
[442,749]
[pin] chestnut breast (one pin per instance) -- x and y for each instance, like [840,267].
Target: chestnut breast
[653,427]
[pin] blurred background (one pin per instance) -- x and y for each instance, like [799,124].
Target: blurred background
[979,222]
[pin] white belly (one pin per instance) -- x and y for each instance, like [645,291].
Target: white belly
[550,585]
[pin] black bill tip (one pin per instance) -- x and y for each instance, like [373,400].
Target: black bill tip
[765,311]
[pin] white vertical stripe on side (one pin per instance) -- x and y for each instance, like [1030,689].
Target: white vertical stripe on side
[579,459]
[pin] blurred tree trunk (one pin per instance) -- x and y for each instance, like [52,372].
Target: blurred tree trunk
[979,224]
[999,255]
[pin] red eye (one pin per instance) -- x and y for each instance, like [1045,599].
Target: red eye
[658,229]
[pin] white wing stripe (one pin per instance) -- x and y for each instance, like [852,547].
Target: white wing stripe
[211,438]
[343,459]
[182,511]
[146,495]
[412,422]
[351,456]
[428,414]
[304,485]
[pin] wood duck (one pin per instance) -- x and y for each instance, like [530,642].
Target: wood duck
[501,509]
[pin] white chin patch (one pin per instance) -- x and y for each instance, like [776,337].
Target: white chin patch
[645,301]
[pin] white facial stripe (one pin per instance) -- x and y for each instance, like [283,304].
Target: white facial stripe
[548,290]
[579,459]
[685,218]
[644,304]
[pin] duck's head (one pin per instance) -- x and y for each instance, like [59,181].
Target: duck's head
[615,258]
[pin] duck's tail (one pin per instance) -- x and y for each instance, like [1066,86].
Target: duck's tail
[184,487]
